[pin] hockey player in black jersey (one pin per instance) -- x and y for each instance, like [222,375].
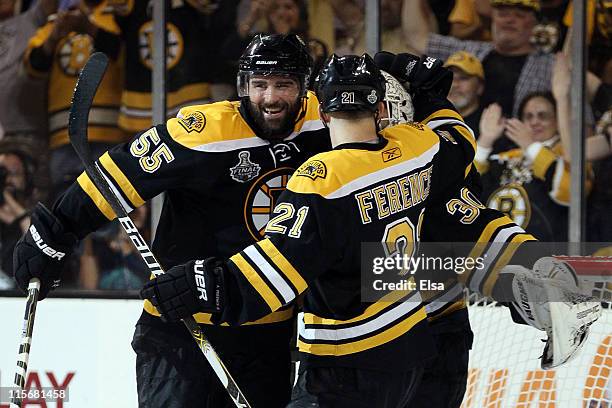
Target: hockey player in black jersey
[352,353]
[222,167]
[459,217]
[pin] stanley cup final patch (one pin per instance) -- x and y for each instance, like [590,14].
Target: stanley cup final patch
[245,170]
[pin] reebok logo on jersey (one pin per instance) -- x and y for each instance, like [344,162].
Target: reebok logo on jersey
[391,154]
[46,249]
[266,62]
[198,269]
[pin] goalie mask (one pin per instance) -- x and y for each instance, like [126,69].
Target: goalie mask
[275,54]
[398,104]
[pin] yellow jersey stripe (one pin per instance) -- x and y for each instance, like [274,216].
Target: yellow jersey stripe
[491,227]
[257,282]
[463,131]
[357,346]
[542,162]
[467,170]
[283,265]
[372,310]
[443,113]
[206,318]
[95,134]
[503,261]
[107,162]
[133,124]
[143,100]
[481,244]
[92,191]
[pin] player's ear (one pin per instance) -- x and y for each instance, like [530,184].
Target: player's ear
[324,116]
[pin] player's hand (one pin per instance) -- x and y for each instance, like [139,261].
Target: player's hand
[184,290]
[42,251]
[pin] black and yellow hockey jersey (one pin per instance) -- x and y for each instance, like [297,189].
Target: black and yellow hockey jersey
[488,235]
[459,217]
[221,182]
[193,39]
[532,188]
[359,192]
[439,115]
[63,69]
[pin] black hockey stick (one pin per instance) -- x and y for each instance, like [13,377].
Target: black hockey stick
[85,90]
[26,341]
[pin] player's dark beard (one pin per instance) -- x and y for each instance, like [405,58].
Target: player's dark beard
[275,130]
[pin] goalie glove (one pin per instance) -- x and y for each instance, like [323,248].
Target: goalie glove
[187,289]
[424,74]
[554,305]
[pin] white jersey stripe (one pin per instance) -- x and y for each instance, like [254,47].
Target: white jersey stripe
[271,273]
[346,333]
[397,170]
[491,255]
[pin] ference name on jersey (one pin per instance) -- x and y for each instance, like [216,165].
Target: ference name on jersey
[394,196]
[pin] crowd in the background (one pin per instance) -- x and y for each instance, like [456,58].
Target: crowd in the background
[510,60]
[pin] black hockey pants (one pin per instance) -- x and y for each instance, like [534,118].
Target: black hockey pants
[445,377]
[343,387]
[172,372]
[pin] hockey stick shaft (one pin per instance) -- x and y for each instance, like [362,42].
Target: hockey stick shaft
[26,341]
[85,90]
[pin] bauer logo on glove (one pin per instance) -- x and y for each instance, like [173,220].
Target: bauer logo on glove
[42,251]
[46,249]
[187,289]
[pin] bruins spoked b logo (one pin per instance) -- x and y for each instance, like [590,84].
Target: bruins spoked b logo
[512,200]
[175,45]
[73,53]
[262,198]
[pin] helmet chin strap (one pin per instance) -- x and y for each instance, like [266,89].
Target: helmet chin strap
[377,121]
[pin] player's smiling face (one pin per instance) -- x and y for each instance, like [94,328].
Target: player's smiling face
[274,102]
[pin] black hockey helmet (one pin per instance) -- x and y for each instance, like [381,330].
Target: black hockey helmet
[274,54]
[350,83]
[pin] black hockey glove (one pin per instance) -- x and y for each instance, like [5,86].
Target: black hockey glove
[424,74]
[183,290]
[42,251]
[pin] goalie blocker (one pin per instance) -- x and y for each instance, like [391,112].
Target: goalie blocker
[549,298]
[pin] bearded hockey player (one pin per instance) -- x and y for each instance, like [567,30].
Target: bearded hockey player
[222,167]
[358,193]
[375,349]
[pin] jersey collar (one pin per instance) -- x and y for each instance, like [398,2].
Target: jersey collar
[382,142]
